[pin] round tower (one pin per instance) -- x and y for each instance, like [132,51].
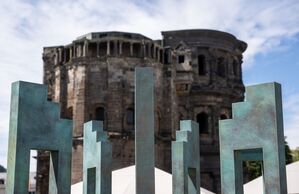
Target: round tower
[93,79]
[208,80]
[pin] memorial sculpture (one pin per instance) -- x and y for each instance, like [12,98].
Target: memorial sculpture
[97,157]
[254,133]
[185,159]
[35,124]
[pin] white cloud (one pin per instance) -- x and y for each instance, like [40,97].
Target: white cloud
[26,26]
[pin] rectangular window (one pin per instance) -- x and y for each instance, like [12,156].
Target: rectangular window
[181,58]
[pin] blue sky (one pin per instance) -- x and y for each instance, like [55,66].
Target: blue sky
[270,27]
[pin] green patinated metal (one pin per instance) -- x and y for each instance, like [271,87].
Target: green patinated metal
[35,124]
[97,158]
[144,131]
[185,159]
[254,133]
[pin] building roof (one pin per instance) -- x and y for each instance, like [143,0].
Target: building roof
[118,34]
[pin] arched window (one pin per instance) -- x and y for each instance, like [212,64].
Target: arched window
[130,116]
[181,58]
[100,114]
[203,121]
[69,113]
[221,67]
[201,65]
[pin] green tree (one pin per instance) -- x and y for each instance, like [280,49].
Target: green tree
[2,169]
[288,153]
[295,154]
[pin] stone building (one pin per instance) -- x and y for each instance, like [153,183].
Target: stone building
[197,76]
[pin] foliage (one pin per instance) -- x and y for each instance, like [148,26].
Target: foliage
[295,154]
[2,169]
[288,153]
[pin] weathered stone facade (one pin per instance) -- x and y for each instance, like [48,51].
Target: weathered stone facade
[197,75]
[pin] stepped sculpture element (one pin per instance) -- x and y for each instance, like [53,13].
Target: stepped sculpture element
[97,157]
[35,124]
[185,159]
[254,133]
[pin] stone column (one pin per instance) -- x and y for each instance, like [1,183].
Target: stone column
[98,49]
[108,48]
[149,50]
[120,47]
[59,55]
[142,50]
[74,49]
[131,49]
[85,50]
[115,52]
[71,52]
[79,101]
[79,50]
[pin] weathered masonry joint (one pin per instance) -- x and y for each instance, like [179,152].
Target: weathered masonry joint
[198,75]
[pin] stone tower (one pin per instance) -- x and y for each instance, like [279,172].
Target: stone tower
[197,75]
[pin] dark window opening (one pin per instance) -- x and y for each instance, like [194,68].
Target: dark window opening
[130,116]
[202,120]
[102,35]
[69,113]
[161,56]
[223,117]
[67,55]
[92,49]
[126,49]
[201,65]
[111,47]
[221,67]
[103,49]
[147,47]
[100,114]
[137,50]
[181,58]
[152,51]
[166,57]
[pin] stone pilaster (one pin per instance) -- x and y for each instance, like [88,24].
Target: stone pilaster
[108,48]
[79,101]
